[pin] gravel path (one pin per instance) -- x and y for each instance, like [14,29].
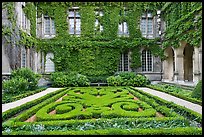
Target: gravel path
[181,102]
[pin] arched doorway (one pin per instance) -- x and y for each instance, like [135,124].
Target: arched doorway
[169,66]
[188,62]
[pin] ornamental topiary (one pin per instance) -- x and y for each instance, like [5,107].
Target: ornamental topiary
[197,92]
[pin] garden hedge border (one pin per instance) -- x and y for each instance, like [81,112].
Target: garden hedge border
[193,100]
[190,114]
[28,93]
[116,131]
[11,112]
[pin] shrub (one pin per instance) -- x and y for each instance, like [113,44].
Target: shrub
[114,80]
[197,92]
[15,85]
[127,79]
[66,79]
[27,74]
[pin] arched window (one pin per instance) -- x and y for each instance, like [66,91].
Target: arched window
[147,60]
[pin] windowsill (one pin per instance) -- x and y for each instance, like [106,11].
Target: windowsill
[123,35]
[48,36]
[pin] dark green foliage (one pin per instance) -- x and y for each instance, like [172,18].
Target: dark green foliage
[27,74]
[127,79]
[15,85]
[66,79]
[197,92]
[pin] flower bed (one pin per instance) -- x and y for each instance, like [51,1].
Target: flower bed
[99,110]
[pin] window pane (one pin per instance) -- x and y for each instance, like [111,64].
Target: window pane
[96,23]
[149,26]
[125,28]
[78,26]
[144,60]
[53,27]
[120,29]
[71,26]
[47,25]
[77,14]
[143,26]
[101,28]
[71,13]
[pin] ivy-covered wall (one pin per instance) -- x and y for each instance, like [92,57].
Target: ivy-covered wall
[184,23]
[96,54]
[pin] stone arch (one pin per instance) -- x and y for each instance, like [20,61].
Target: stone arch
[188,52]
[169,64]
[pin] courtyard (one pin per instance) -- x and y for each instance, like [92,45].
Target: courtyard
[102,68]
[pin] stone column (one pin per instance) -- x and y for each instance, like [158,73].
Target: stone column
[196,72]
[179,65]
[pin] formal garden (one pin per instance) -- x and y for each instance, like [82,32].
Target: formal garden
[79,108]
[99,71]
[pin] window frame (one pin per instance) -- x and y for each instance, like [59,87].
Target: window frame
[121,65]
[145,67]
[123,29]
[146,17]
[75,17]
[51,30]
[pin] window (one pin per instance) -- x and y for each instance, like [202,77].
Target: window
[123,29]
[146,25]
[49,26]
[98,26]
[147,60]
[24,21]
[74,21]
[124,62]
[23,57]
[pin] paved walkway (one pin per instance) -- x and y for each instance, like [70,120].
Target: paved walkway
[11,105]
[181,102]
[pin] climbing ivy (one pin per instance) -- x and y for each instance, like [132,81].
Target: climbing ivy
[184,23]
[96,54]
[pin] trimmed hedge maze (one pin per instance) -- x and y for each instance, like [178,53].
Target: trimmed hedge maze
[103,111]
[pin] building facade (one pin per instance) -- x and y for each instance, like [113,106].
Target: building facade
[183,64]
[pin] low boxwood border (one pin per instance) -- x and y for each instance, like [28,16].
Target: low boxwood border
[193,100]
[28,93]
[116,131]
[11,112]
[190,114]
